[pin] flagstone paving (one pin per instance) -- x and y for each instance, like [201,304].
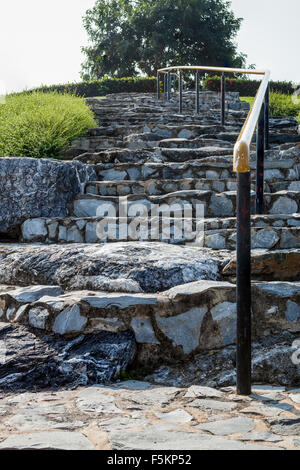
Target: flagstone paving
[136,415]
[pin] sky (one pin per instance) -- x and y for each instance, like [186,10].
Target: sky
[40,41]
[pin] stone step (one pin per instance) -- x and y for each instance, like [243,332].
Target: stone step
[281,165]
[118,155]
[182,320]
[270,265]
[193,143]
[274,137]
[85,229]
[281,233]
[165,130]
[159,187]
[187,154]
[276,186]
[189,202]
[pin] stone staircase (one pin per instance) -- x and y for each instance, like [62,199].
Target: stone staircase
[67,277]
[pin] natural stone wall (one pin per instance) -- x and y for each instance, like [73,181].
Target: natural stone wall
[170,325]
[43,188]
[268,232]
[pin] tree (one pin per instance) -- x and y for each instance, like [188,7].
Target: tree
[129,37]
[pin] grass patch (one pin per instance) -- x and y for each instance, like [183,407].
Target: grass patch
[280,105]
[42,125]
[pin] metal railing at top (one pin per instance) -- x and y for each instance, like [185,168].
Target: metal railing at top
[258,118]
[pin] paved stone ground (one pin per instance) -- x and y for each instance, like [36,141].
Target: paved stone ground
[135,415]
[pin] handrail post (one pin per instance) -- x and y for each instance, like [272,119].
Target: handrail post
[243,284]
[197,93]
[158,85]
[180,92]
[174,83]
[260,156]
[267,112]
[165,86]
[223,99]
[168,86]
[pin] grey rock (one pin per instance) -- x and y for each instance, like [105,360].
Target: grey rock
[38,317]
[156,398]
[212,405]
[292,313]
[215,241]
[264,409]
[122,301]
[69,321]
[152,439]
[226,427]
[264,239]
[47,441]
[268,388]
[73,235]
[175,416]
[221,206]
[33,188]
[111,175]
[43,417]
[183,329]
[96,400]
[196,391]
[224,314]
[122,423]
[4,409]
[271,364]
[132,385]
[295,397]
[143,330]
[284,205]
[285,427]
[261,437]
[33,229]
[153,266]
[34,293]
[50,362]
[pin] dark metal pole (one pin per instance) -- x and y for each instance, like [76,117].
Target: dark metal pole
[267,107]
[158,86]
[165,86]
[169,85]
[243,285]
[260,156]
[223,99]
[197,93]
[180,92]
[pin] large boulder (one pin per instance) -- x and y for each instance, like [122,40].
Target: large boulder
[46,361]
[38,188]
[122,267]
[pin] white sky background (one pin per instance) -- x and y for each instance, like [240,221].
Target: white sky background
[40,40]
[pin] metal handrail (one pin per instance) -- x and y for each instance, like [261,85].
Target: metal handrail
[258,116]
[241,158]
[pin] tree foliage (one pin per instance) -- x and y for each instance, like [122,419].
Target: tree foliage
[129,37]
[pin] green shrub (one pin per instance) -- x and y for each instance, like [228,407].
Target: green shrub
[280,105]
[247,87]
[102,87]
[42,125]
